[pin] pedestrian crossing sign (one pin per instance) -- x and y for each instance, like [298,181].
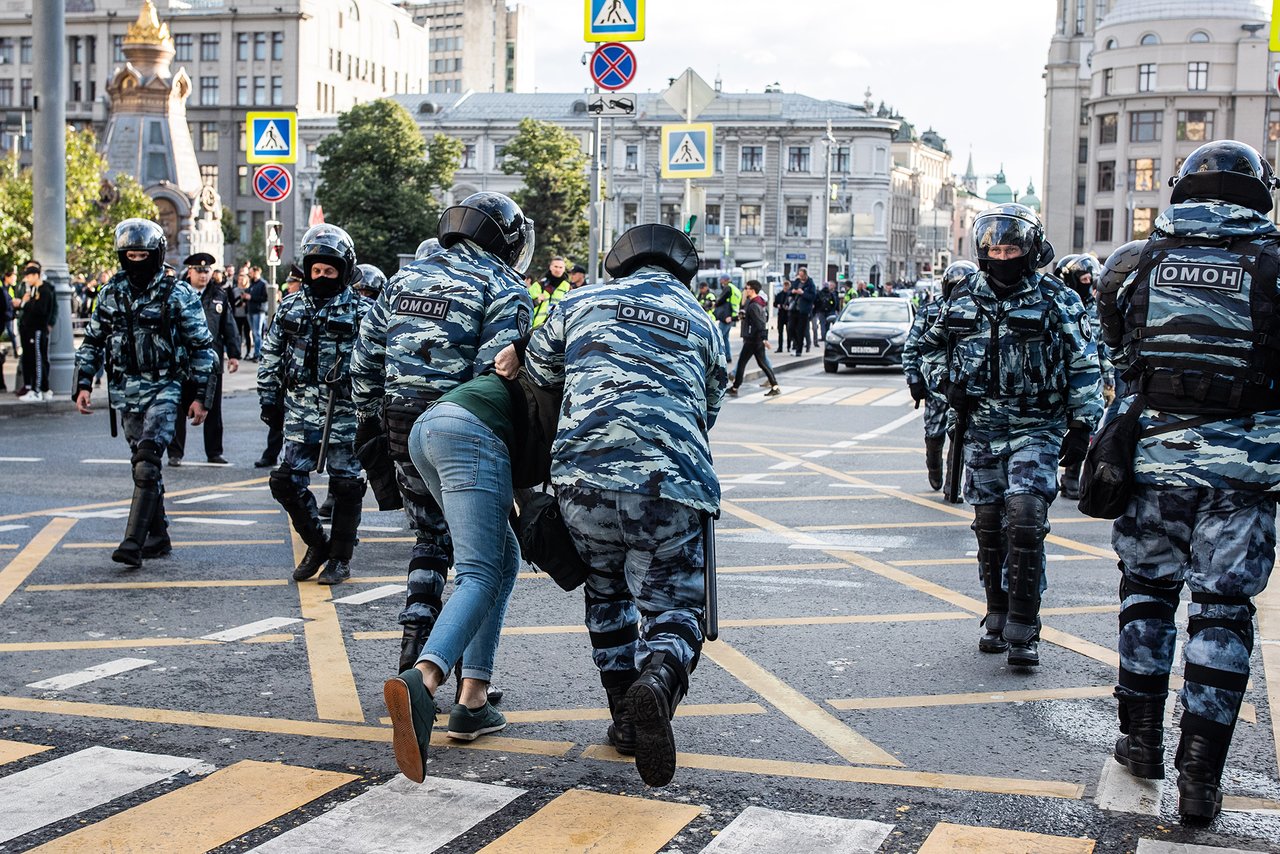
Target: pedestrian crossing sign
[271,137]
[615,21]
[688,151]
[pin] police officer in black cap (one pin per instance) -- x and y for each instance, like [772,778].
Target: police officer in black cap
[226,346]
[577,277]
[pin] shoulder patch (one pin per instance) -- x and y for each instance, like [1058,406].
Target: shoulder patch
[652,317]
[1189,274]
[432,308]
[1086,326]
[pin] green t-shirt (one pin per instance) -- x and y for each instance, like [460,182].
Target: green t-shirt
[486,398]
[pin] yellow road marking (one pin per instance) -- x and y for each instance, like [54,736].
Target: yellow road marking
[542,716]
[798,394]
[824,726]
[12,751]
[970,561]
[960,839]
[180,544]
[275,726]
[1242,804]
[332,681]
[102,505]
[271,639]
[153,585]
[871,526]
[811,498]
[580,821]
[119,643]
[869,396]
[207,813]
[1268,604]
[980,697]
[25,562]
[859,774]
[1082,609]
[8,546]
[182,511]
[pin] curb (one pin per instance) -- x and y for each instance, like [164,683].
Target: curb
[17,409]
[754,373]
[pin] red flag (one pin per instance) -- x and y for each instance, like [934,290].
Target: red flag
[317,215]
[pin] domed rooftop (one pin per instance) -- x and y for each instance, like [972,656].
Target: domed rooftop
[1031,200]
[1000,193]
[1131,11]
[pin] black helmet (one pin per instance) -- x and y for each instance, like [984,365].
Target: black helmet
[427,248]
[373,279]
[1060,266]
[494,223]
[1081,266]
[141,235]
[656,245]
[956,273]
[328,244]
[1011,225]
[1228,171]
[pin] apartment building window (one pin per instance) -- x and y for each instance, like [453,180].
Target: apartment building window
[77,92]
[468,156]
[1273,125]
[242,187]
[749,220]
[259,90]
[1147,77]
[712,224]
[208,136]
[631,163]
[209,47]
[209,174]
[840,159]
[1197,76]
[209,92]
[6,93]
[671,214]
[1106,176]
[6,50]
[1081,5]
[90,49]
[1082,153]
[240,136]
[630,215]
[499,154]
[797,221]
[76,50]
[798,158]
[1107,128]
[242,47]
[1144,125]
[718,158]
[752,159]
[182,47]
[1102,223]
[1077,234]
[1082,189]
[260,47]
[117,48]
[24,50]
[1144,174]
[1108,81]
[277,91]
[25,92]
[277,46]
[1142,221]
[242,91]
[1195,125]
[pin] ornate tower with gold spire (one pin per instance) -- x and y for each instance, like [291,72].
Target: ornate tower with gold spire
[147,137]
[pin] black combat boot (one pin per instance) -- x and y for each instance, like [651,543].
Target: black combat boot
[1141,748]
[1071,482]
[933,460]
[157,543]
[988,529]
[326,508]
[1026,530]
[300,504]
[348,494]
[651,702]
[428,572]
[1200,759]
[622,732]
[141,511]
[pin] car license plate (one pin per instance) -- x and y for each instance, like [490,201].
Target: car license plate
[873,351]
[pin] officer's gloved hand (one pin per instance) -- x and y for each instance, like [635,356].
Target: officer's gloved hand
[1075,445]
[271,413]
[918,390]
[957,396]
[367,429]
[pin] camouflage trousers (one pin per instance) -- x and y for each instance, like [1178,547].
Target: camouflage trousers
[991,478]
[432,553]
[156,423]
[646,564]
[301,458]
[935,416]
[1219,542]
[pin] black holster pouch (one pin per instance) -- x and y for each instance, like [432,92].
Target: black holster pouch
[546,543]
[398,419]
[1106,477]
[381,472]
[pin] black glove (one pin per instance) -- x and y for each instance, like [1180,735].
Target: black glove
[1075,445]
[919,391]
[272,414]
[958,396]
[367,429]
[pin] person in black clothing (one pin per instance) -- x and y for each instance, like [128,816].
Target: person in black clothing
[803,296]
[257,297]
[826,307]
[755,338]
[781,300]
[275,430]
[36,317]
[218,313]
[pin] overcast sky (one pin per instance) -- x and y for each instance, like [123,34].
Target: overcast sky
[971,70]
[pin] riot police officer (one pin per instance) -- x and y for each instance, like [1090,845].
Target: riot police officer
[1022,376]
[438,322]
[924,379]
[1190,315]
[1082,273]
[150,331]
[303,376]
[372,281]
[644,367]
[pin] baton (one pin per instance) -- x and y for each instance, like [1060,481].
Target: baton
[710,605]
[111,413]
[324,436]
[955,464]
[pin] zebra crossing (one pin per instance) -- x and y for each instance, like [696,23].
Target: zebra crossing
[885,394]
[183,804]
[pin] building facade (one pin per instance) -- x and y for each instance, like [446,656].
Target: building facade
[1132,87]
[476,45]
[923,205]
[315,57]
[769,202]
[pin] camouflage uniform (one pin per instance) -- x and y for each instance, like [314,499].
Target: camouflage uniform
[929,371]
[644,374]
[439,322]
[1204,503]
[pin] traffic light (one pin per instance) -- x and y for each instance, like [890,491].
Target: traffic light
[274,244]
[690,223]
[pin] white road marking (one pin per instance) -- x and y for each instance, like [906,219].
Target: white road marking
[1149,846]
[248,630]
[847,443]
[90,674]
[202,464]
[813,455]
[210,520]
[21,459]
[1120,791]
[890,427]
[199,499]
[60,788]
[759,829]
[784,465]
[835,547]
[107,462]
[371,595]
[390,529]
[833,396]
[13,527]
[113,513]
[397,816]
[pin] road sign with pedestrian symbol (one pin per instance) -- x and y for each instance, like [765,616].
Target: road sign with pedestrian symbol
[615,21]
[688,151]
[271,137]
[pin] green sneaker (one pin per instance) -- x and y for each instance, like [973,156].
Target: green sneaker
[413,714]
[468,725]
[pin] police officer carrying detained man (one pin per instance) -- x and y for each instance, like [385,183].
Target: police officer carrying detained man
[1193,319]
[149,329]
[303,381]
[1027,392]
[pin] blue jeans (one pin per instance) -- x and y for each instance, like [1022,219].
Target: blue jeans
[468,471]
[724,336]
[256,322]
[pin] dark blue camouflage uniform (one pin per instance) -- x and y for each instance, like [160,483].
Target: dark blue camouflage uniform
[929,371]
[644,377]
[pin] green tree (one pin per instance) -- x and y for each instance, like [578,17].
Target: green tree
[94,205]
[382,182]
[556,191]
[230,232]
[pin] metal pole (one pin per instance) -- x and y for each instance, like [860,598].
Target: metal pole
[49,180]
[593,249]
[826,208]
[688,184]
[273,294]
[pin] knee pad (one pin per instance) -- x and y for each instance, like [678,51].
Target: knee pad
[1027,516]
[284,488]
[430,557]
[146,464]
[1241,624]
[988,525]
[349,490]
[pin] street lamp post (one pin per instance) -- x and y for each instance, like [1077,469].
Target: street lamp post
[49,180]
[826,206]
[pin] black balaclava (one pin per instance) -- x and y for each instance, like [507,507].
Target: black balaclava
[323,289]
[1005,276]
[141,273]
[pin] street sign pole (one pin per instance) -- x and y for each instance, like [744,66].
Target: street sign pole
[273,292]
[688,182]
[593,249]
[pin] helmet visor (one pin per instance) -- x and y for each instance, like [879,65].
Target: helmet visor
[138,234]
[522,260]
[1002,231]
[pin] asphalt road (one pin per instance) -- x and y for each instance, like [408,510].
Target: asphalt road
[846,684]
